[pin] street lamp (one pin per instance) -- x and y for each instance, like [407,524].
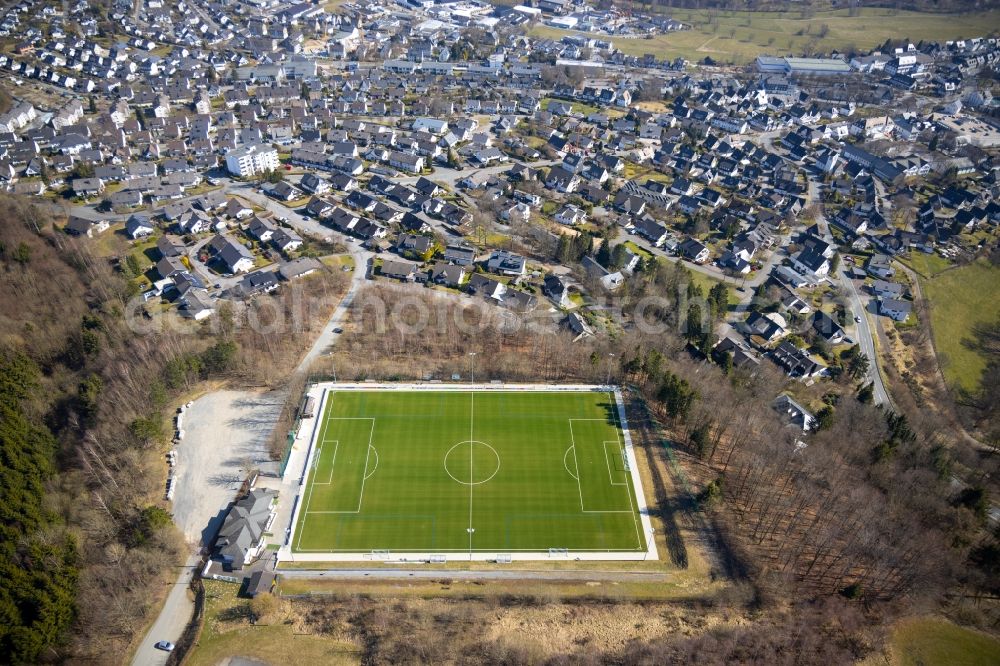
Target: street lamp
[472,366]
[611,357]
[648,545]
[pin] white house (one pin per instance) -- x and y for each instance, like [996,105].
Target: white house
[431,125]
[251,160]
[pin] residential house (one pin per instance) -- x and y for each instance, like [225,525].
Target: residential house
[578,326]
[313,184]
[194,304]
[399,270]
[811,261]
[827,328]
[610,280]
[694,250]
[258,282]
[506,263]
[261,229]
[895,308]
[139,226]
[460,255]
[237,210]
[795,362]
[450,275]
[298,268]
[233,256]
[169,266]
[571,215]
[415,246]
[651,230]
[286,240]
[487,287]
[87,187]
[886,289]
[880,265]
[794,413]
[556,290]
[80,226]
[406,161]
[769,327]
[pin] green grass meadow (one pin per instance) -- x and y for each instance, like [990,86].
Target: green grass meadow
[740,36]
[415,471]
[937,642]
[959,299]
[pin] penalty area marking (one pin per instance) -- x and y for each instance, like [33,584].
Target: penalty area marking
[319,457]
[368,454]
[619,451]
[579,486]
[566,461]
[371,450]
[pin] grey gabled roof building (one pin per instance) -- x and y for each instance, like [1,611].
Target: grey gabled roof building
[241,536]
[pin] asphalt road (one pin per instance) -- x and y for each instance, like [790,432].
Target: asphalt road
[864,334]
[173,618]
[865,339]
[709,270]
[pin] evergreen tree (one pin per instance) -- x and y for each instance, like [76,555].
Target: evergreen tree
[718,299]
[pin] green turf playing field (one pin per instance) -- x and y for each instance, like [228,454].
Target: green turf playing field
[454,471]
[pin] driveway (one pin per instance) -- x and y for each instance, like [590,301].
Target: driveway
[173,618]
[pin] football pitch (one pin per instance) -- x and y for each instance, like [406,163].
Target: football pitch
[476,471]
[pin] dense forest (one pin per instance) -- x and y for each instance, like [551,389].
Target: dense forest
[87,541]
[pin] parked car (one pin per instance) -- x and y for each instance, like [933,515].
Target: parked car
[166,646]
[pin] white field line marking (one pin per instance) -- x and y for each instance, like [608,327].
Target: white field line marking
[543,554]
[618,450]
[336,445]
[367,457]
[566,464]
[371,449]
[631,488]
[309,490]
[472,446]
[467,483]
[577,461]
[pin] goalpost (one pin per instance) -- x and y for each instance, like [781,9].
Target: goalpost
[628,467]
[560,553]
[380,555]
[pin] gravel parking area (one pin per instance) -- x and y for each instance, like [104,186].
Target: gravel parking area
[225,433]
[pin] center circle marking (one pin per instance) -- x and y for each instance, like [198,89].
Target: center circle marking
[460,473]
